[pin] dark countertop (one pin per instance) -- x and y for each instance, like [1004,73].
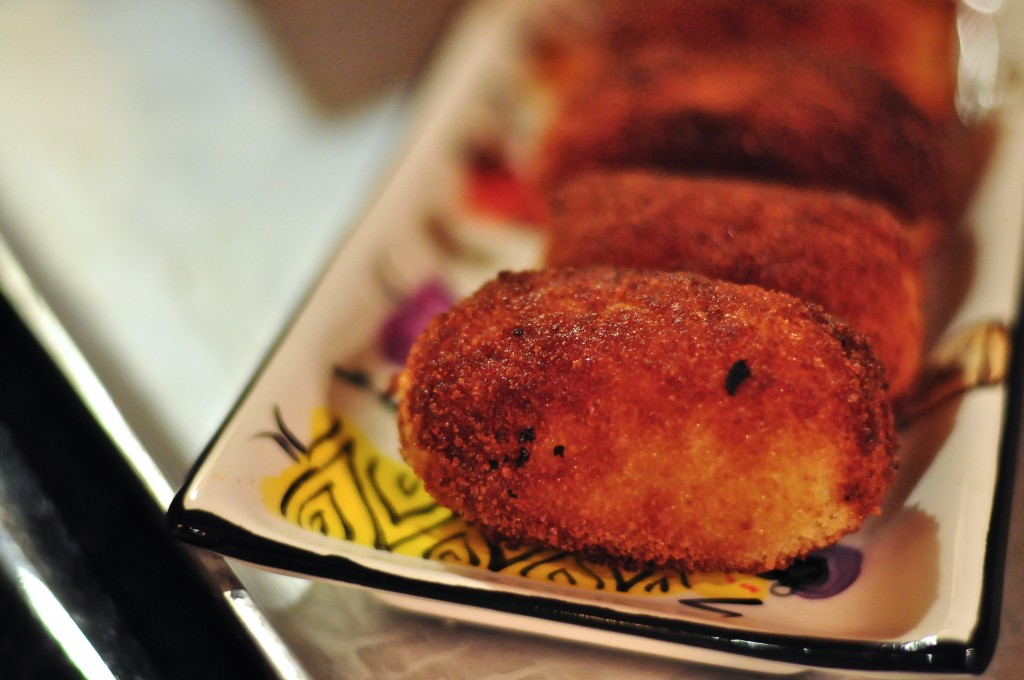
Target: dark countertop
[80,520]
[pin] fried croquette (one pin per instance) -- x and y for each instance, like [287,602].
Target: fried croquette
[852,257]
[910,42]
[658,419]
[817,123]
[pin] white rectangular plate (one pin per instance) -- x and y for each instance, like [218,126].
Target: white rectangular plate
[305,477]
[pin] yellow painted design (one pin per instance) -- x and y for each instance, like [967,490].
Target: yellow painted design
[342,486]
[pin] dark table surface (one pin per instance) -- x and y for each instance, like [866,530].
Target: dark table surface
[75,519]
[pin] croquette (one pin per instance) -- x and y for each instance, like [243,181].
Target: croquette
[817,123]
[852,257]
[909,42]
[648,419]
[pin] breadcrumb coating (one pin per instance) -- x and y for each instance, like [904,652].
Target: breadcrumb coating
[852,257]
[909,42]
[648,419]
[820,123]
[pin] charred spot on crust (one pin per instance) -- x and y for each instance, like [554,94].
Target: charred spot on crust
[492,464]
[738,373]
[517,331]
[560,451]
[527,434]
[522,457]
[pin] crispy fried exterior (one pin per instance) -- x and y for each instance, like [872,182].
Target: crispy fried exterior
[813,123]
[648,419]
[910,42]
[852,257]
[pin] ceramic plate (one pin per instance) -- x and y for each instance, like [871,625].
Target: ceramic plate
[305,477]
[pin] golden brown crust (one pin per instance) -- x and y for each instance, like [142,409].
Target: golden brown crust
[910,42]
[655,419]
[817,123]
[852,257]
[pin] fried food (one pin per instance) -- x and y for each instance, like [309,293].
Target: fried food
[818,123]
[658,419]
[909,42]
[852,257]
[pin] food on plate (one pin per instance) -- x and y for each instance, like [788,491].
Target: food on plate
[910,42]
[660,419]
[851,256]
[821,122]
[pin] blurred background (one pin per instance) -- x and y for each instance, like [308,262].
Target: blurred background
[184,169]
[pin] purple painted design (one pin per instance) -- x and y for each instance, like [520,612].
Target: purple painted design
[842,567]
[825,573]
[412,315]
